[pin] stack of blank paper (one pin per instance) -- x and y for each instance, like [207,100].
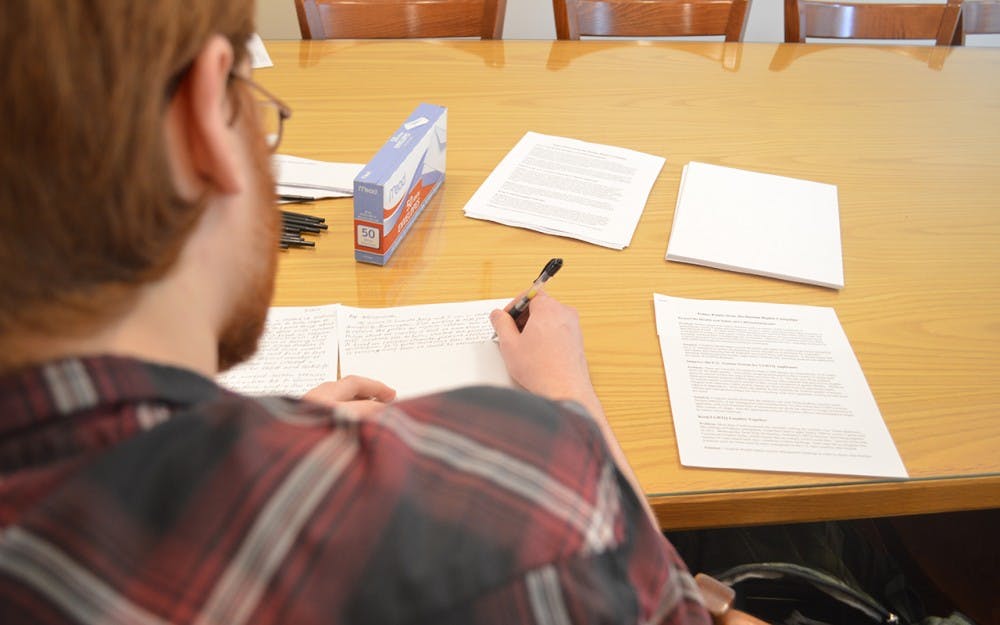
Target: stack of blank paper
[758,223]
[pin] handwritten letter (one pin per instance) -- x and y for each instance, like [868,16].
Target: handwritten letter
[297,352]
[422,349]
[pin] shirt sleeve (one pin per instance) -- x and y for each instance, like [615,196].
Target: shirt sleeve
[639,580]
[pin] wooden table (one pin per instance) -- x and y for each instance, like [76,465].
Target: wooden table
[911,137]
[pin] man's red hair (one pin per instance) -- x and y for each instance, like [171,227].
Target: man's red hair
[88,210]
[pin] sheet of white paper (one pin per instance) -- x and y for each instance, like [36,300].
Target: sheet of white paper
[303,175]
[587,191]
[287,193]
[297,352]
[770,387]
[422,349]
[758,223]
[259,57]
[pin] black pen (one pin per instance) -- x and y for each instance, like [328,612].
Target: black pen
[297,227]
[548,271]
[303,216]
[289,220]
[296,241]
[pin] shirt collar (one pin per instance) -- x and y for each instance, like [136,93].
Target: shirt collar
[59,393]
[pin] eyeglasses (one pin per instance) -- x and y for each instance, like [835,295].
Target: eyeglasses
[272,112]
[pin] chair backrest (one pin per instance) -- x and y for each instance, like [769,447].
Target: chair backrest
[851,20]
[400,19]
[981,17]
[650,18]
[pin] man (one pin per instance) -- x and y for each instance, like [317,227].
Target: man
[138,246]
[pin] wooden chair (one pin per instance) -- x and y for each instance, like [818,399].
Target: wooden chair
[981,17]
[650,18]
[727,54]
[850,20]
[400,19]
[933,56]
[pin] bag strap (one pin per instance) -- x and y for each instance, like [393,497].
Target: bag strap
[829,585]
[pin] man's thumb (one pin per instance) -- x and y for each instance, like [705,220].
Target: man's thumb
[503,323]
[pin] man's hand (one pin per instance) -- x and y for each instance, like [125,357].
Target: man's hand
[363,396]
[718,599]
[546,357]
[735,617]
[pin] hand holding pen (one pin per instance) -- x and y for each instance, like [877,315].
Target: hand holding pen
[544,354]
[521,304]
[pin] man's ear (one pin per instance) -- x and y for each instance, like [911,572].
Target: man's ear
[207,108]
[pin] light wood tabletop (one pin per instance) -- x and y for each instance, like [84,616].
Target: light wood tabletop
[910,136]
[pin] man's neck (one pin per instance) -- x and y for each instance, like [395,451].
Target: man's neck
[158,328]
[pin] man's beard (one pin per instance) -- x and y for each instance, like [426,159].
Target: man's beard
[245,323]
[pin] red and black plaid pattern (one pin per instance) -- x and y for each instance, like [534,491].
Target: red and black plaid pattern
[138,493]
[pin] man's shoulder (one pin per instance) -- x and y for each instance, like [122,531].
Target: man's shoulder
[494,501]
[546,460]
[512,466]
[526,425]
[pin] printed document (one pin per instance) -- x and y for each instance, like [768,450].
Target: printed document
[758,223]
[769,387]
[414,349]
[587,191]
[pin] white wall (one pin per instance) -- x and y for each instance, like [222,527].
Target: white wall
[532,19]
[276,19]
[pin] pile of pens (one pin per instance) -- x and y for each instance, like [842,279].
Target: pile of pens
[294,224]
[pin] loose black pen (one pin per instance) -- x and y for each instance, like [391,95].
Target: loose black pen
[296,241]
[303,216]
[288,220]
[548,271]
[296,228]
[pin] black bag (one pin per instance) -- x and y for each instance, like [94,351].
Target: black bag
[833,573]
[779,592]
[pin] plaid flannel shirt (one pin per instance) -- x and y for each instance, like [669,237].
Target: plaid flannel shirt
[144,494]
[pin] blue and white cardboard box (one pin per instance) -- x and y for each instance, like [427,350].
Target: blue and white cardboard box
[393,189]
